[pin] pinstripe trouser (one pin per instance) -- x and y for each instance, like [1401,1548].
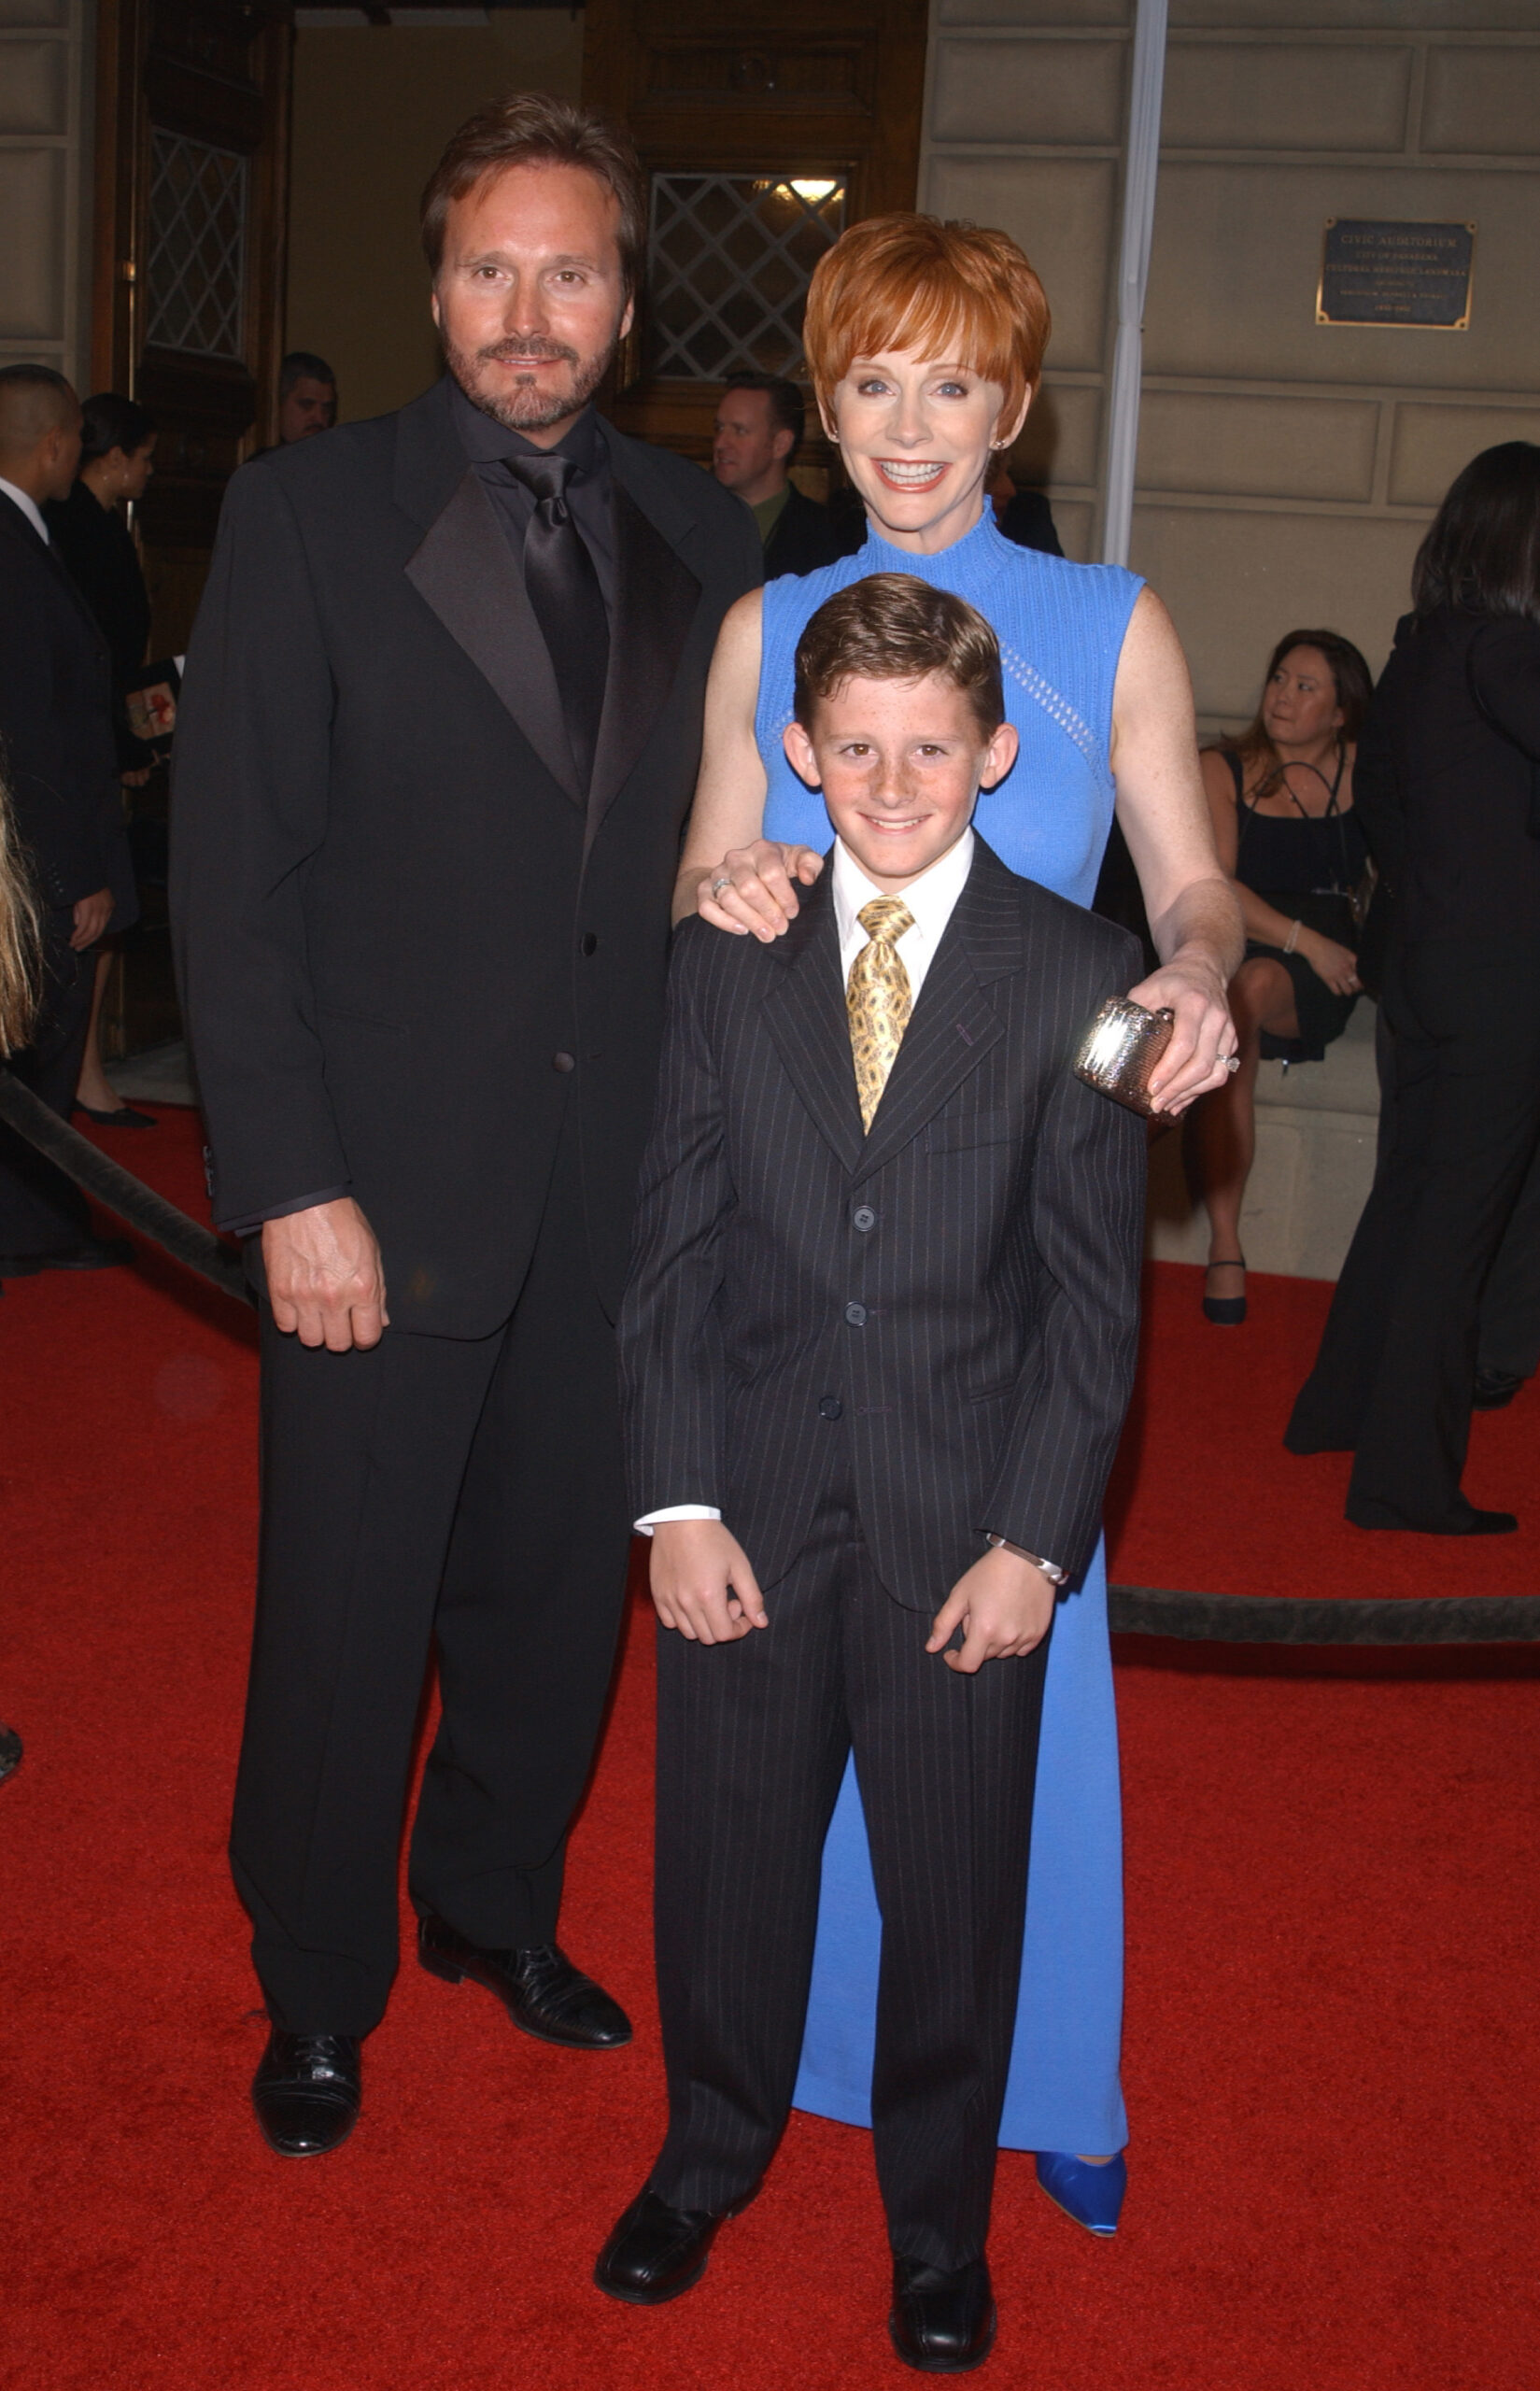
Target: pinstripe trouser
[752,1741]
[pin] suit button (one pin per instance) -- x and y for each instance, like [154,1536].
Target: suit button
[590,943]
[561,1061]
[863,1218]
[831,1407]
[856,1315]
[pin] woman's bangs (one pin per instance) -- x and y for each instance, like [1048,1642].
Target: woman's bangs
[933,319]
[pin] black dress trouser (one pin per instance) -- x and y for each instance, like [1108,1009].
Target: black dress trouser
[751,1743]
[463,1492]
[1393,1380]
[41,1212]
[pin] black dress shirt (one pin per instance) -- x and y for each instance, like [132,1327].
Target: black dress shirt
[589,494]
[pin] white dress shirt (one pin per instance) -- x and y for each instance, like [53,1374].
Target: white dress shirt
[29,507]
[931,899]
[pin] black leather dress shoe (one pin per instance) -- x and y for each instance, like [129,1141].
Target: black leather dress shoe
[307,2092]
[123,1116]
[656,2252]
[943,2318]
[541,1990]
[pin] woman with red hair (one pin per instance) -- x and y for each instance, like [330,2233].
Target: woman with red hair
[924,343]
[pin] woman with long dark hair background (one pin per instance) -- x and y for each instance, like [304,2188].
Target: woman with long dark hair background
[1448,789]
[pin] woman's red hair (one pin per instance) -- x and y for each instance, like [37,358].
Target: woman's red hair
[957,292]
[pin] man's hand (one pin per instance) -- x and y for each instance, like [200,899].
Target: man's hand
[91,915]
[1004,1605]
[703,1583]
[324,1278]
[1202,1035]
[755,889]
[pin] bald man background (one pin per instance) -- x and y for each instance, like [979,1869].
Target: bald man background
[56,739]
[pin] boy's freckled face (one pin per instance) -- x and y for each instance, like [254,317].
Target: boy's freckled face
[900,764]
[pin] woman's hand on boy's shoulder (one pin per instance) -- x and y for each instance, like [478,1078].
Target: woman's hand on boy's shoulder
[754,888]
[1004,1605]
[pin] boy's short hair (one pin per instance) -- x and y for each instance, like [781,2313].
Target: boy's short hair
[894,627]
[962,293]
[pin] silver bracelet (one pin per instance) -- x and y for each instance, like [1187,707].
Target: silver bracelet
[1289,942]
[1055,1576]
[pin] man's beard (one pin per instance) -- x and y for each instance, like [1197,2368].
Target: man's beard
[526,407]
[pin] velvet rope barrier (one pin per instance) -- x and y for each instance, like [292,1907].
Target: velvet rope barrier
[197,1249]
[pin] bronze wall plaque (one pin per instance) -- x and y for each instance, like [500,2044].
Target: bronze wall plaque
[1415,276]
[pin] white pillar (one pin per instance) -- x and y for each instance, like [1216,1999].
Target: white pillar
[1138,214]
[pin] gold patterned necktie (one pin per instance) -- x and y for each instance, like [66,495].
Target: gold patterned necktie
[878,1000]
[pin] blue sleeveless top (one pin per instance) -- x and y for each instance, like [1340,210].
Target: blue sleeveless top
[1061,630]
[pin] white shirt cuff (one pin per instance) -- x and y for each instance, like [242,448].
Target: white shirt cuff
[645,1525]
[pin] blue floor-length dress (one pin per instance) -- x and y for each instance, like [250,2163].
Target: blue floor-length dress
[1061,628]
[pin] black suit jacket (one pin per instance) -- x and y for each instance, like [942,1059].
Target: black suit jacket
[1447,779]
[56,719]
[958,1288]
[406,937]
[805,537]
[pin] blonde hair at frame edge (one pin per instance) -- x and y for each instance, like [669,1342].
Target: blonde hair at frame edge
[18,935]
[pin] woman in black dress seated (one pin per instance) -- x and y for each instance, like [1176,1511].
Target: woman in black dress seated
[1282,801]
[1449,792]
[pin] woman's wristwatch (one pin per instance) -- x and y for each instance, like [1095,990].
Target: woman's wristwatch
[1055,1576]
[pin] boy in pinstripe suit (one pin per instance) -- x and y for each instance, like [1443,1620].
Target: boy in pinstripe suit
[877,1348]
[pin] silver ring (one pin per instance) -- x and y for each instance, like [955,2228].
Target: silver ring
[723,879]
[1230,1061]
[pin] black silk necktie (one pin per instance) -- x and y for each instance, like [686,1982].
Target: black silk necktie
[563,589]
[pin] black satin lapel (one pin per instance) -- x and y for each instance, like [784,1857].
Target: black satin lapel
[805,1015]
[658,599]
[952,1028]
[464,571]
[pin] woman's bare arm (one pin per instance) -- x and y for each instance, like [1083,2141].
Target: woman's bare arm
[728,813]
[1193,916]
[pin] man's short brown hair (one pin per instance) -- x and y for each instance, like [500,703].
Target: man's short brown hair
[893,626]
[532,129]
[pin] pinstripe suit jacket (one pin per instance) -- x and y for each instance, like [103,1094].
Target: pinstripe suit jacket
[946,1308]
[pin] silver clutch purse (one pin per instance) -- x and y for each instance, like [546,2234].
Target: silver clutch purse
[1120,1049]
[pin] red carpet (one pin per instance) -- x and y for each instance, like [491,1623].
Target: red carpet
[1331,2008]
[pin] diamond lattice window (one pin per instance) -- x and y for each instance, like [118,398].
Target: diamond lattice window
[729,262]
[195,264]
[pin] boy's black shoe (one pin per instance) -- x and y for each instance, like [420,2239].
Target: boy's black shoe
[307,2092]
[943,2318]
[656,2252]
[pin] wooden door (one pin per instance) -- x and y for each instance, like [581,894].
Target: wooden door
[190,219]
[765,126]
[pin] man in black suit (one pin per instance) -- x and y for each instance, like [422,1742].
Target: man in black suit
[878,1343]
[438,737]
[57,749]
[757,433]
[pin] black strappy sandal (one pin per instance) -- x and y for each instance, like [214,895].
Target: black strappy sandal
[1225,1311]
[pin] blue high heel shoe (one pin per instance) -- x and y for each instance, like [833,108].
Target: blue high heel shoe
[1092,2196]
